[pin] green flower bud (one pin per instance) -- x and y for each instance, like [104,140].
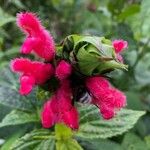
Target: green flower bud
[90,55]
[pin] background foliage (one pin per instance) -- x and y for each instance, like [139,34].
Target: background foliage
[126,19]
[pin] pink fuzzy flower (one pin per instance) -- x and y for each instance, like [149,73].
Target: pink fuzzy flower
[71,118]
[63,70]
[120,98]
[96,85]
[64,94]
[32,73]
[107,98]
[119,45]
[26,84]
[61,107]
[38,39]
[48,116]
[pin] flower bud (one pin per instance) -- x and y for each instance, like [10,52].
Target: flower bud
[90,55]
[63,70]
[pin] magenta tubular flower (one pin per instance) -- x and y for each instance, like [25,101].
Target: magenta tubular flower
[32,73]
[107,98]
[62,109]
[71,118]
[38,39]
[64,94]
[26,84]
[119,46]
[63,70]
[48,116]
[97,85]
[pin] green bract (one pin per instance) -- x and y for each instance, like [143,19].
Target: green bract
[90,55]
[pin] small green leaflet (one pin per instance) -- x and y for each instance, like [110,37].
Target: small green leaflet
[64,136]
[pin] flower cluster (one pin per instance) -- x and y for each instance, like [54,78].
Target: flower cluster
[41,42]
[60,108]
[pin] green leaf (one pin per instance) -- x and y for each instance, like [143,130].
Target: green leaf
[103,47]
[92,126]
[116,6]
[133,100]
[129,11]
[18,3]
[9,54]
[11,140]
[32,140]
[142,70]
[133,142]
[46,145]
[9,95]
[17,117]
[69,144]
[5,18]
[99,144]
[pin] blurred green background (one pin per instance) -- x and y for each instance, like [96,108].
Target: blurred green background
[114,19]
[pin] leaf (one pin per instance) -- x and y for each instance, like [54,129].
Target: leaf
[133,142]
[143,127]
[9,54]
[116,6]
[69,144]
[18,3]
[17,117]
[99,145]
[92,126]
[133,100]
[11,140]
[5,18]
[9,95]
[46,145]
[32,140]
[142,70]
[129,11]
